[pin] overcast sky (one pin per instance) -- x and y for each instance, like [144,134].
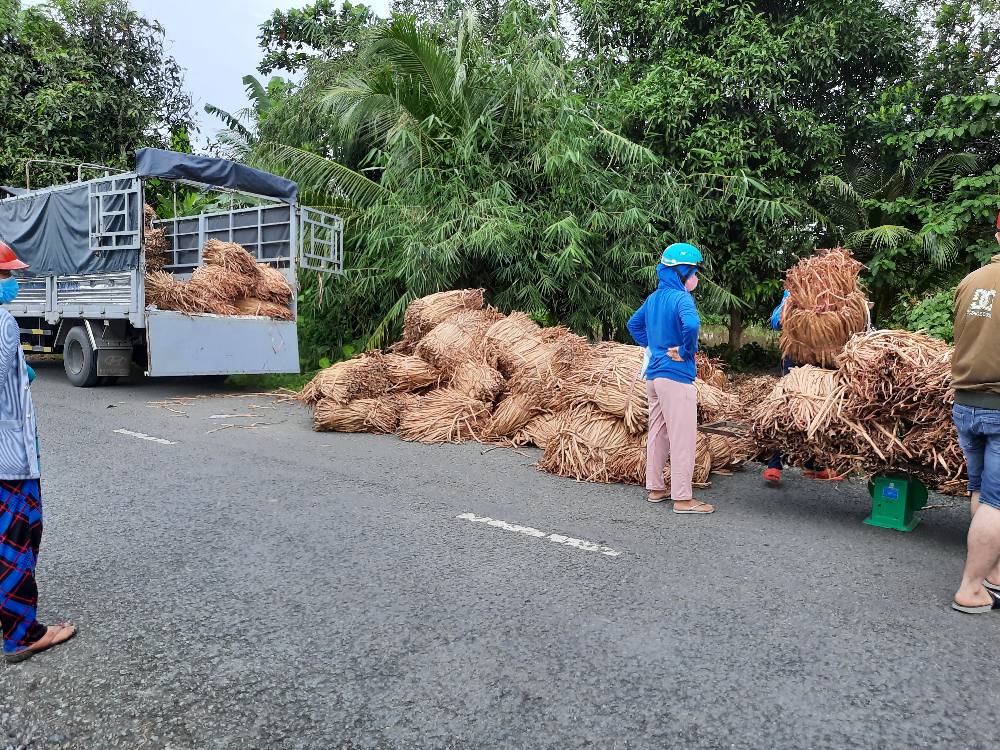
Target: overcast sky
[215,41]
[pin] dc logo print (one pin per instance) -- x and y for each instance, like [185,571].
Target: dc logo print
[982,303]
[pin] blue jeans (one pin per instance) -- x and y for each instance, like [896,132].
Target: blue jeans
[979,436]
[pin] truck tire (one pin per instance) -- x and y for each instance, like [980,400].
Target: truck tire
[80,359]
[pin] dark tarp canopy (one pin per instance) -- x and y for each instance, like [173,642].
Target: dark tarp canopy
[50,230]
[206,170]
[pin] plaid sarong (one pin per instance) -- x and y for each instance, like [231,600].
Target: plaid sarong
[20,537]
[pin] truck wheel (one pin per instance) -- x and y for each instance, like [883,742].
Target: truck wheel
[80,359]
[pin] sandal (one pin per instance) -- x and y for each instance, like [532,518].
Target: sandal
[693,511]
[989,586]
[51,639]
[660,499]
[981,608]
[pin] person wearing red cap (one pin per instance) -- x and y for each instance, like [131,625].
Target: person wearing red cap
[975,375]
[20,492]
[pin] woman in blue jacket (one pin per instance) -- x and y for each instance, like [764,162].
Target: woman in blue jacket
[667,325]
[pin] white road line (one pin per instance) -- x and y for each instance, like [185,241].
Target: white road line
[569,541]
[141,436]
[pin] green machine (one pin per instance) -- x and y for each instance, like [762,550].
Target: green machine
[895,499]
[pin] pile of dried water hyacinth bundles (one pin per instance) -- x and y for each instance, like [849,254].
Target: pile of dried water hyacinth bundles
[229,282]
[886,408]
[463,371]
[824,309]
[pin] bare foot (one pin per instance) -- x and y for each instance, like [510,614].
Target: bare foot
[55,635]
[978,598]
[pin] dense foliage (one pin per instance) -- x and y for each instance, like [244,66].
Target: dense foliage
[84,80]
[479,172]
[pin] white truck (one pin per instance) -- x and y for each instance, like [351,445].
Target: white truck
[84,296]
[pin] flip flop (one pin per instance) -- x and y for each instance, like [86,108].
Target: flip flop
[694,511]
[657,500]
[980,609]
[29,652]
[994,587]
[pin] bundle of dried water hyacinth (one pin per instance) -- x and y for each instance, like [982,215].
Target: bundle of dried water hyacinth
[458,339]
[378,415]
[584,441]
[825,307]
[423,314]
[410,373]
[364,376]
[444,416]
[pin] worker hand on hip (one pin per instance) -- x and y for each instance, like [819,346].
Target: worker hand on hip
[675,354]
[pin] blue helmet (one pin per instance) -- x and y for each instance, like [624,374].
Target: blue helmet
[681,254]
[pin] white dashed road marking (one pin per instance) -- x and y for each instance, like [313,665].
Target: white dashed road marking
[568,541]
[141,436]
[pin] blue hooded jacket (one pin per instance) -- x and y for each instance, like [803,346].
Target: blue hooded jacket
[668,318]
[776,315]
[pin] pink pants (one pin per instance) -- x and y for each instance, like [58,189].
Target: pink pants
[673,432]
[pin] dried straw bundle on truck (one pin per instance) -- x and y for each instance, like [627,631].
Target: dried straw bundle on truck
[148,216]
[584,441]
[272,286]
[365,376]
[444,416]
[611,379]
[230,256]
[825,308]
[166,292]
[262,308]
[157,249]
[216,281]
[898,375]
[477,380]
[459,338]
[377,415]
[423,314]
[410,373]
[710,370]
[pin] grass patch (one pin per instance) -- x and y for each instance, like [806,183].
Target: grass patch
[270,382]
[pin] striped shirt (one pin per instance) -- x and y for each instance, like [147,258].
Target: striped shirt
[18,448]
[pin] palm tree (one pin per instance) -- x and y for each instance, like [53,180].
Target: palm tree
[240,136]
[875,209]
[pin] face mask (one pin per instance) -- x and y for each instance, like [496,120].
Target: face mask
[8,290]
[691,282]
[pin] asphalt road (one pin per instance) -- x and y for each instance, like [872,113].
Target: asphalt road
[275,588]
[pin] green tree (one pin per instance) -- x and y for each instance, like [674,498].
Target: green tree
[776,91]
[84,80]
[485,166]
[320,31]
[918,203]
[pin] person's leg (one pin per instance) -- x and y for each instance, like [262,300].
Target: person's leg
[984,552]
[679,403]
[979,435]
[20,536]
[657,445]
[776,462]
